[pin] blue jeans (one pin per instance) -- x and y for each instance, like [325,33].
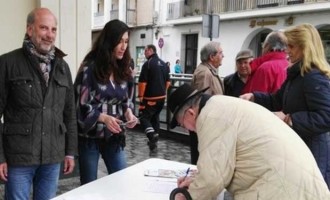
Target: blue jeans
[89,152]
[44,179]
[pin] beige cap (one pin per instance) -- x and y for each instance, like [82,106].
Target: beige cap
[247,53]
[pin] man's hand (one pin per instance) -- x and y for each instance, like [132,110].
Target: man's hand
[68,165]
[3,171]
[184,182]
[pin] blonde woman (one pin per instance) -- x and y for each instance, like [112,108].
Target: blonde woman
[303,101]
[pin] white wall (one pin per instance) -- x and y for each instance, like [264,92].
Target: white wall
[13,23]
[74,26]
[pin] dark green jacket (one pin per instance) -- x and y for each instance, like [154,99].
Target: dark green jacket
[39,122]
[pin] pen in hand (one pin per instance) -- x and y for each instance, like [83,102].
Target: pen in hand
[187,172]
[181,180]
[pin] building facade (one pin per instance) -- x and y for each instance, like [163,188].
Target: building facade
[243,24]
[175,26]
[179,28]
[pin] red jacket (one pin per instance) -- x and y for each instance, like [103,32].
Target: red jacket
[268,72]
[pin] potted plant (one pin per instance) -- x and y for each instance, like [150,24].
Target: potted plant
[196,11]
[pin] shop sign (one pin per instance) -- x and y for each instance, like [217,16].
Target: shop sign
[263,22]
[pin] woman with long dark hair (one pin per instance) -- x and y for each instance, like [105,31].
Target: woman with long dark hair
[102,102]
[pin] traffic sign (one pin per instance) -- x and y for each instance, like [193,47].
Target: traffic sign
[161,42]
[211,24]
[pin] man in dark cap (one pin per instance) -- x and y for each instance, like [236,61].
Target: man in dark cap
[245,149]
[268,72]
[234,83]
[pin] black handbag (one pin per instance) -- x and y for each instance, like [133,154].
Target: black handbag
[183,191]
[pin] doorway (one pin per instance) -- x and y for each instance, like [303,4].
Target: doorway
[191,53]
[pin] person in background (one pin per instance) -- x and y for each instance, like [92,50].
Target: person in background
[234,83]
[177,67]
[206,75]
[245,149]
[268,71]
[303,100]
[39,127]
[168,65]
[101,89]
[154,80]
[131,86]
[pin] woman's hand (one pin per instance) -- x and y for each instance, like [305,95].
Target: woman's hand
[131,119]
[280,115]
[284,117]
[110,122]
[247,96]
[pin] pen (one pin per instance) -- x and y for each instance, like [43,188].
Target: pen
[187,172]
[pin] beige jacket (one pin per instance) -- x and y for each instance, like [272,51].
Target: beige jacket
[253,154]
[206,76]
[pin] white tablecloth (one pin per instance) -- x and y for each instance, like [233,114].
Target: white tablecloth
[129,184]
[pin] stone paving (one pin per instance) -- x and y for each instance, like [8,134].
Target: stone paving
[136,151]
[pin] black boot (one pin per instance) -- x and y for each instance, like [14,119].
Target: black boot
[153,139]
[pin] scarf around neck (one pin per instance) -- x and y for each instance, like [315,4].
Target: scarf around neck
[44,59]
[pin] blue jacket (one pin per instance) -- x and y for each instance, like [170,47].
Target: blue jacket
[307,100]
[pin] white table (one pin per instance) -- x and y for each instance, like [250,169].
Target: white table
[129,184]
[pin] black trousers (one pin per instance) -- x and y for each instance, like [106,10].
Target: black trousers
[194,154]
[149,117]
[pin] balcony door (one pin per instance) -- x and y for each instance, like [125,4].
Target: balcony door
[191,53]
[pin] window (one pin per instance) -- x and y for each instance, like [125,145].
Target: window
[267,3]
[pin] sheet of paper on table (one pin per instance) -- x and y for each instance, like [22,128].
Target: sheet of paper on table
[164,186]
[167,173]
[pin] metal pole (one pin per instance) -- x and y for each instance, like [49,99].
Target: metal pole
[210,19]
[210,26]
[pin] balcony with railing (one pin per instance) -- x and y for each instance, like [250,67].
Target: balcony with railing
[182,8]
[98,19]
[130,16]
[114,14]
